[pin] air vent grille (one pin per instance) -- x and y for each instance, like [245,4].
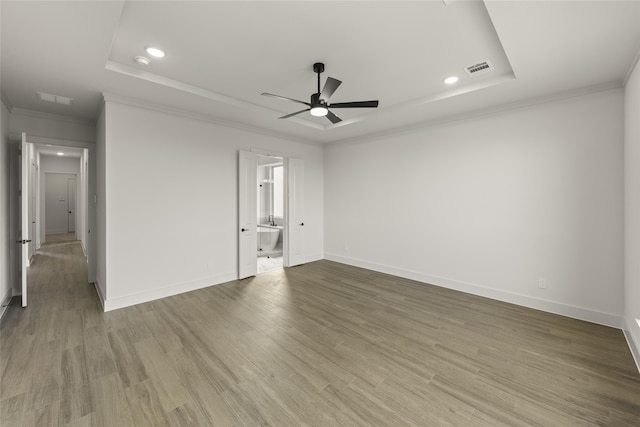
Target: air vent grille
[54,98]
[479,68]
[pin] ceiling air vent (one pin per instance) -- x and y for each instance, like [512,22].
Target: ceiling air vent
[479,68]
[54,98]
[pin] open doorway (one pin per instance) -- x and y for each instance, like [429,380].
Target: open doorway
[59,213]
[270,213]
[291,235]
[31,159]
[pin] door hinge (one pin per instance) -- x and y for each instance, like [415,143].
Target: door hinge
[23,241]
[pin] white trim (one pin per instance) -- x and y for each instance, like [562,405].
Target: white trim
[198,91]
[404,106]
[5,101]
[635,353]
[634,346]
[5,302]
[60,172]
[109,97]
[268,153]
[167,291]
[51,116]
[632,65]
[311,258]
[479,113]
[36,139]
[581,313]
[96,285]
[218,97]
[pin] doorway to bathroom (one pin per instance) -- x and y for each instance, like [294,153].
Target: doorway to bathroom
[270,212]
[290,225]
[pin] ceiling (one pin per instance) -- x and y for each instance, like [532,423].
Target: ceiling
[221,55]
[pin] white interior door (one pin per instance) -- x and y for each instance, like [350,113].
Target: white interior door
[71,205]
[294,252]
[247,214]
[24,216]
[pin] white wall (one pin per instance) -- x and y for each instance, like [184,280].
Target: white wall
[51,126]
[490,205]
[6,244]
[171,186]
[632,211]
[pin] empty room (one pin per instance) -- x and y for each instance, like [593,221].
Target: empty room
[320,213]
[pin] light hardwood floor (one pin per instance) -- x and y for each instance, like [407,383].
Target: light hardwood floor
[322,344]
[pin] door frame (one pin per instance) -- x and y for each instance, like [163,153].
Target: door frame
[288,260]
[24,192]
[87,178]
[75,203]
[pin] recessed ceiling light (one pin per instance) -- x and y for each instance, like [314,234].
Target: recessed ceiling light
[142,60]
[60,154]
[451,80]
[154,51]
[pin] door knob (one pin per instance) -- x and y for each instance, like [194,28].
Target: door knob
[244,229]
[302,223]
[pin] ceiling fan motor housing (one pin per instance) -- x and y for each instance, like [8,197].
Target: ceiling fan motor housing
[317,101]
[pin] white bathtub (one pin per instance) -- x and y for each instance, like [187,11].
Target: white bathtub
[268,237]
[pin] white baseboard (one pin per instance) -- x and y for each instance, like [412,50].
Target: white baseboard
[167,291]
[581,313]
[634,345]
[98,287]
[6,298]
[312,258]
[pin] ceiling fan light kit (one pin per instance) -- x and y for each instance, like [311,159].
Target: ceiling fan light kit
[319,105]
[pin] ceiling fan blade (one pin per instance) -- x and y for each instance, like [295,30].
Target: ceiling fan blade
[357,104]
[333,118]
[293,114]
[330,86]
[286,99]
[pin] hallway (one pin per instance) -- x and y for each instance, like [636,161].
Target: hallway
[43,344]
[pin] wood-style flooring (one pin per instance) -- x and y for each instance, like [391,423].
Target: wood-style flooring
[322,344]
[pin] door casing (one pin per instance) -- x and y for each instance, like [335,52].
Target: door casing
[293,230]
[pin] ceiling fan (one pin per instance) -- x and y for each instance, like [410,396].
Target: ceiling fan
[319,105]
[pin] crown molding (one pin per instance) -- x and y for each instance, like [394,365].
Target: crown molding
[43,139]
[51,116]
[632,66]
[6,101]
[198,91]
[118,99]
[482,112]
